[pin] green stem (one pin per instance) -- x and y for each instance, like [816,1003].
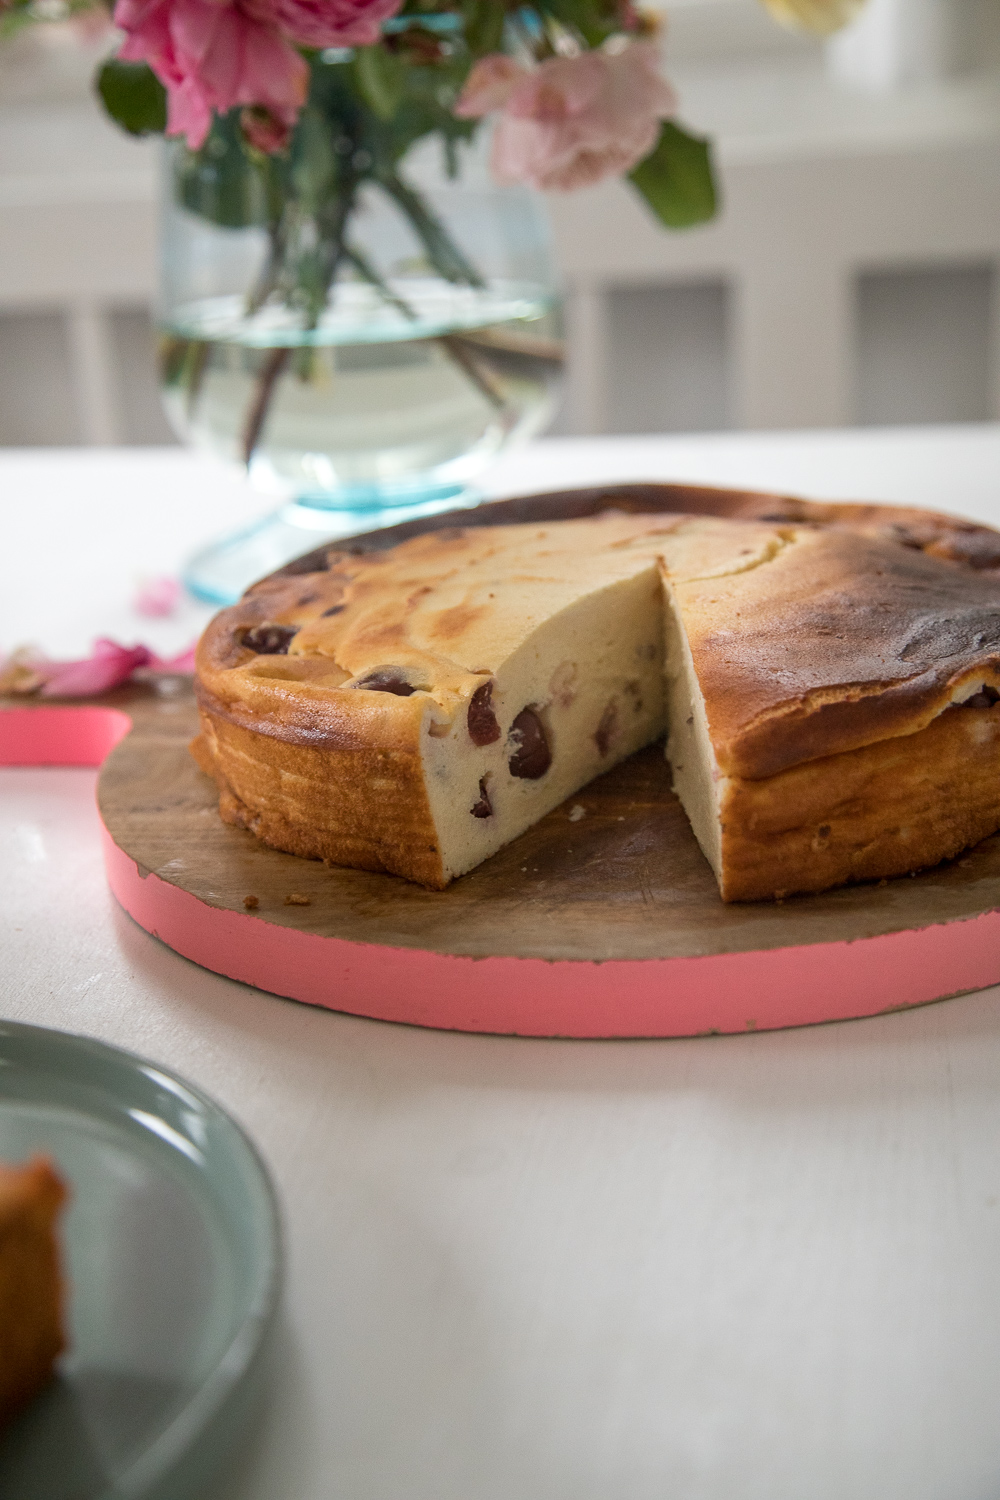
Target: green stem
[274,362]
[368,273]
[453,345]
[331,252]
[270,275]
[444,254]
[315,280]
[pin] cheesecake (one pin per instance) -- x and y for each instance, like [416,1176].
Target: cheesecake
[824,676]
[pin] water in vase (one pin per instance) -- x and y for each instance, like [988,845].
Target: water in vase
[387,397]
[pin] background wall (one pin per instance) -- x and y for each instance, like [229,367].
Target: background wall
[852,276]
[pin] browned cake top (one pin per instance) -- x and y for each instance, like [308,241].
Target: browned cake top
[814,628]
[437,615]
[838,640]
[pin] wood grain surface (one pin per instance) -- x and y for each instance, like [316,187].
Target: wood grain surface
[624,881]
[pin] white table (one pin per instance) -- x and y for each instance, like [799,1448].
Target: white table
[754,1268]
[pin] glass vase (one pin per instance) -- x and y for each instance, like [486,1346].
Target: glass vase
[364,394]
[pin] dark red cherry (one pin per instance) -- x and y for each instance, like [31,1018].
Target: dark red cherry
[387,680]
[483,726]
[270,640]
[484,807]
[604,733]
[985,698]
[532,756]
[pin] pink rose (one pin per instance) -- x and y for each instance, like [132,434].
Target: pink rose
[490,83]
[212,55]
[572,120]
[327,23]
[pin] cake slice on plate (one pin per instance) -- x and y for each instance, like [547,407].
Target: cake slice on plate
[31,1288]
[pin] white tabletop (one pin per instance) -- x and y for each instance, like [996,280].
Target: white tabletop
[764,1267]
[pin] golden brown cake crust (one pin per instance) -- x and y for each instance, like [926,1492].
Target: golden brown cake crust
[934,531]
[363,805]
[31,1289]
[883,810]
[840,640]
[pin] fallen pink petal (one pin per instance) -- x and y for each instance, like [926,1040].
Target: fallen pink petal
[182,664]
[108,666]
[157,597]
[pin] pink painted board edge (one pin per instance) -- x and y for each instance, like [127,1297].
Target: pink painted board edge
[523,996]
[732,992]
[60,736]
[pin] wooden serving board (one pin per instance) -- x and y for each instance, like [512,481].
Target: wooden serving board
[600,922]
[605,924]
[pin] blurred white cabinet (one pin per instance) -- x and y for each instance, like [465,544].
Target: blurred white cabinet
[824,189]
[77,267]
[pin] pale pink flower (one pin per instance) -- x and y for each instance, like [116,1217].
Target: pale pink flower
[489,85]
[212,55]
[327,23]
[572,120]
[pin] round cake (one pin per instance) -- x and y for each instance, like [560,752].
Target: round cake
[825,676]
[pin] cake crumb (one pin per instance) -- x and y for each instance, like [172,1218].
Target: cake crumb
[576,812]
[251,902]
[296,900]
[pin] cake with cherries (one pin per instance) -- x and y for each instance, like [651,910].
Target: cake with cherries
[825,677]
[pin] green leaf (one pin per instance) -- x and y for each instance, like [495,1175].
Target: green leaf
[676,179]
[595,20]
[14,19]
[220,183]
[484,26]
[133,96]
[381,78]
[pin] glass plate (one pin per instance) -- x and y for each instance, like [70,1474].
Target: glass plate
[173,1255]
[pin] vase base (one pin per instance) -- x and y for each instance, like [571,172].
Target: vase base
[219,573]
